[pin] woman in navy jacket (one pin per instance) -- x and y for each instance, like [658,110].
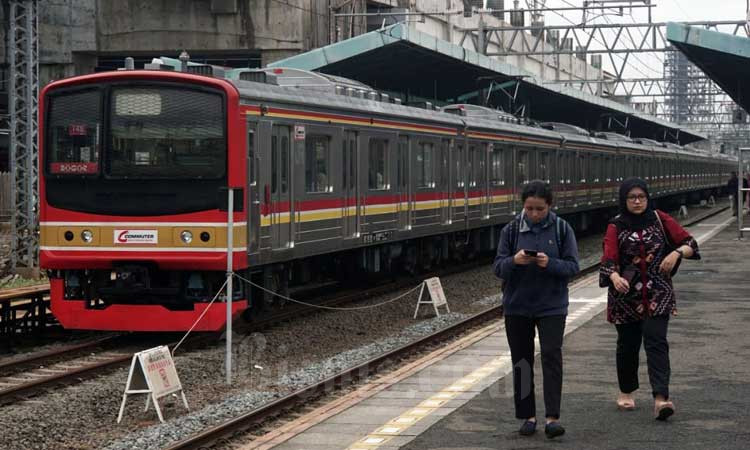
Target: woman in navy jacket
[535,296]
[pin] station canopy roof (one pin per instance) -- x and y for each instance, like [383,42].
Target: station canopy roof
[722,57]
[419,67]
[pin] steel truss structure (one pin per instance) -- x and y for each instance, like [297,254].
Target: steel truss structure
[23,106]
[625,39]
[683,94]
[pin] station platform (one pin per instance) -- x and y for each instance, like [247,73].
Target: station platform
[461,397]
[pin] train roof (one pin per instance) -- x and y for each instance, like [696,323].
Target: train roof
[458,115]
[296,86]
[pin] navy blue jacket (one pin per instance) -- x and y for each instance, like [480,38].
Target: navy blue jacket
[530,290]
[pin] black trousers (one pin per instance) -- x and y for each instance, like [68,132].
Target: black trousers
[521,331]
[653,332]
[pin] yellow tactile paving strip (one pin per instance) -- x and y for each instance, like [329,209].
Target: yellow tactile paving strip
[286,432]
[399,424]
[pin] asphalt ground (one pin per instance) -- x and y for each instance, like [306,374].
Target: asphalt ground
[710,383]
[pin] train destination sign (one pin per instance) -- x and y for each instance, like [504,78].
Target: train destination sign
[152,372]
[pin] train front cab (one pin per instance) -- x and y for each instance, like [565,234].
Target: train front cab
[135,169]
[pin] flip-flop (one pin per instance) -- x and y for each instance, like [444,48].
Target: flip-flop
[663,411]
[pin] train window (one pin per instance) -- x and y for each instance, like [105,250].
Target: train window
[481,165]
[351,136]
[594,168]
[251,176]
[73,133]
[344,161]
[522,168]
[402,180]
[496,166]
[582,167]
[445,163]
[166,133]
[459,165]
[317,155]
[425,171]
[285,162]
[274,163]
[561,165]
[544,167]
[471,162]
[378,164]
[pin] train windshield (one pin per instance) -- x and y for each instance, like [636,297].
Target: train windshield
[171,140]
[165,133]
[73,138]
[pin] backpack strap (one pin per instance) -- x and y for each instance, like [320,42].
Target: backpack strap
[561,234]
[513,235]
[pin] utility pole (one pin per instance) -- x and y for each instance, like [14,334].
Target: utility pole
[23,106]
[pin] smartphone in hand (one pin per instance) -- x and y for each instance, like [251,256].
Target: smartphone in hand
[532,253]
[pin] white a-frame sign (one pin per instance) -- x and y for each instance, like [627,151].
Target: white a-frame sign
[436,294]
[152,372]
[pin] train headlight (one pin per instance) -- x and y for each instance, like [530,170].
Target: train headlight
[186,236]
[87,236]
[205,236]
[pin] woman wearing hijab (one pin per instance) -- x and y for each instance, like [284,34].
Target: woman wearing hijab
[642,249]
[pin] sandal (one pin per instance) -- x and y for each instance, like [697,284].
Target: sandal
[625,404]
[663,410]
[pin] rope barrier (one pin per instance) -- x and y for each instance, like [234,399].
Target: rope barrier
[331,307]
[221,289]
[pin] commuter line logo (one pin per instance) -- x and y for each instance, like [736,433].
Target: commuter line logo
[125,237]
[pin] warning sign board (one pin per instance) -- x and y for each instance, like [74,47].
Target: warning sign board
[152,372]
[160,371]
[436,291]
[437,296]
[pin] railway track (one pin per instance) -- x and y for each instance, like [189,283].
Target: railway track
[27,377]
[305,398]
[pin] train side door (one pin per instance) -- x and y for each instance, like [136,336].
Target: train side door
[476,192]
[379,209]
[459,188]
[500,198]
[253,197]
[280,187]
[350,185]
[403,185]
[483,155]
[521,176]
[446,181]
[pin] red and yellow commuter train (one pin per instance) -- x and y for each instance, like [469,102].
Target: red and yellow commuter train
[329,177]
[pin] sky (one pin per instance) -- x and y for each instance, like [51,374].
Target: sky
[673,10]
